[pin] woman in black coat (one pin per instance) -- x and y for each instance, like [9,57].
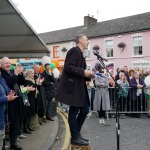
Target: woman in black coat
[31,110]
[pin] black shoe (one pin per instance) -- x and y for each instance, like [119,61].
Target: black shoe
[83,138]
[44,120]
[132,116]
[49,118]
[40,122]
[16,147]
[79,141]
[25,130]
[137,116]
[30,129]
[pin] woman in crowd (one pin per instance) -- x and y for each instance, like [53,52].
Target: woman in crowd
[25,91]
[30,109]
[130,73]
[101,101]
[123,96]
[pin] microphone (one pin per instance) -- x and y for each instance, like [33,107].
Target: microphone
[96,53]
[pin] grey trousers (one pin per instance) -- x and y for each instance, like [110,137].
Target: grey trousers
[2,136]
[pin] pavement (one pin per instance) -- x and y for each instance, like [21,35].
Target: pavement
[134,133]
[41,139]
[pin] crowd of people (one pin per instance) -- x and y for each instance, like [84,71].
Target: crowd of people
[28,94]
[24,95]
[134,97]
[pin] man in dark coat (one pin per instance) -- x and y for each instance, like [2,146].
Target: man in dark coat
[14,107]
[137,94]
[41,97]
[48,84]
[72,89]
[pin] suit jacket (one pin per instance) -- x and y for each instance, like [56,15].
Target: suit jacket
[133,84]
[48,84]
[72,86]
[41,96]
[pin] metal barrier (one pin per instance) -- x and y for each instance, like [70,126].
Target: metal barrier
[127,104]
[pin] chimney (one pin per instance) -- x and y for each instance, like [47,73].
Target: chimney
[89,20]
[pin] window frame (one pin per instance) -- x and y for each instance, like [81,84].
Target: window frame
[55,51]
[134,45]
[112,48]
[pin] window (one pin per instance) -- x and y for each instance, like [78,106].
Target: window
[137,46]
[56,53]
[87,52]
[109,48]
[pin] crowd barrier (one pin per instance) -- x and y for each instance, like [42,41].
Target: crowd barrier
[126,104]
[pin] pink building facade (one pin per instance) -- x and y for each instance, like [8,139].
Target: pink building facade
[132,32]
[136,53]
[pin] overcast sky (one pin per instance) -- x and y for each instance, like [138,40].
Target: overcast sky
[50,15]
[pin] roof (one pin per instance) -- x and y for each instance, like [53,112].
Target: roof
[128,24]
[17,37]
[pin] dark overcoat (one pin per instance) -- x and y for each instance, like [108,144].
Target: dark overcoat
[41,96]
[133,84]
[72,86]
[31,110]
[48,85]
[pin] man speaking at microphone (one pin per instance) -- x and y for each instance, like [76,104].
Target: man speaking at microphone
[72,89]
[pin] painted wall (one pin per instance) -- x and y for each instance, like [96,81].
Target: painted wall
[121,58]
[67,45]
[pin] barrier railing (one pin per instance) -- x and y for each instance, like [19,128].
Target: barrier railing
[127,104]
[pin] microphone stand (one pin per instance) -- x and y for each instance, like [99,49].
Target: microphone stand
[101,60]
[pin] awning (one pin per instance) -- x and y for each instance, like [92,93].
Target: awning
[17,37]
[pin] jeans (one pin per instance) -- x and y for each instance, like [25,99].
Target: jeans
[76,118]
[101,112]
[47,110]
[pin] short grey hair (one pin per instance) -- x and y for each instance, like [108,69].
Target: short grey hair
[3,59]
[33,67]
[79,37]
[135,72]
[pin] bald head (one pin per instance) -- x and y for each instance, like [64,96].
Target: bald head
[5,63]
